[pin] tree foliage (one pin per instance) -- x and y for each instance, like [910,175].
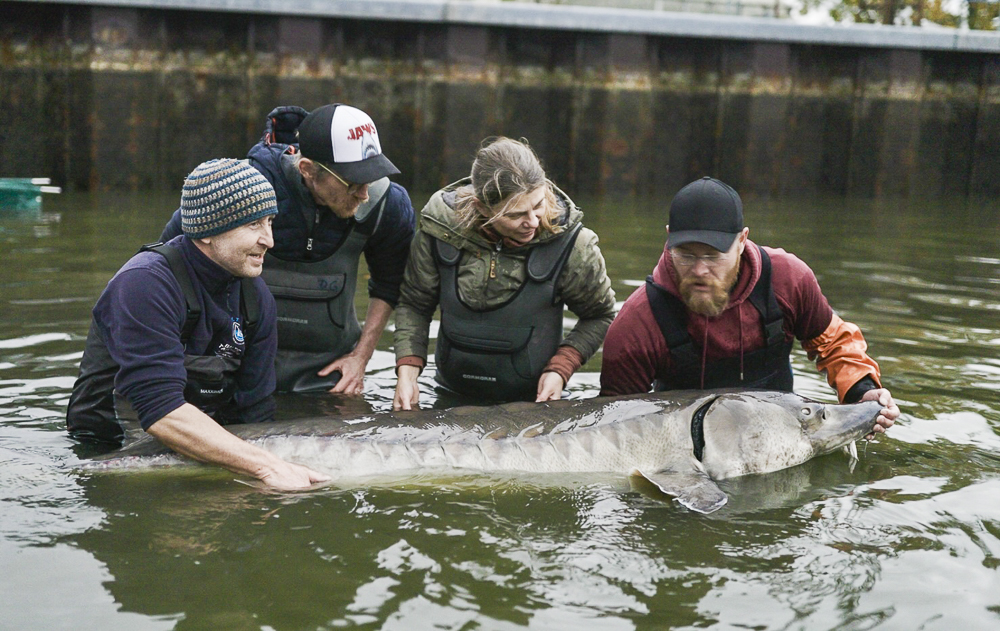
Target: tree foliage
[979,14]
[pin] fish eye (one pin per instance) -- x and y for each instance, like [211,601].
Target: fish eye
[807,412]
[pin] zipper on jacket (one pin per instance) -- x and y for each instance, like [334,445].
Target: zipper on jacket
[493,259]
[312,231]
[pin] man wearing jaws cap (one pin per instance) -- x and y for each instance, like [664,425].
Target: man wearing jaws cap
[335,203]
[721,312]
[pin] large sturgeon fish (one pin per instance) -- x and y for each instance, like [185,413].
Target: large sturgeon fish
[679,441]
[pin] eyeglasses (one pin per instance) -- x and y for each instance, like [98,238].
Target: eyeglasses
[682,259]
[351,188]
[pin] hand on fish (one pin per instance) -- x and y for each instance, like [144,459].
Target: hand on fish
[887,416]
[352,374]
[287,476]
[550,387]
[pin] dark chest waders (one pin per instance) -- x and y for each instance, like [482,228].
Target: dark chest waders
[500,353]
[768,368]
[97,412]
[317,322]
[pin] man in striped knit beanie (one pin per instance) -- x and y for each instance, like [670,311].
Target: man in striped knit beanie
[184,336]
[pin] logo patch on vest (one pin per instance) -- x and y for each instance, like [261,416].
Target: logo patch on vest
[237,332]
[479,377]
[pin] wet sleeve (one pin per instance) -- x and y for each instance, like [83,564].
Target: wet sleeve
[411,360]
[838,347]
[388,248]
[840,352]
[565,362]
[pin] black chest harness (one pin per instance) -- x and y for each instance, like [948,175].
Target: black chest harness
[96,412]
[499,353]
[768,367]
[249,307]
[211,379]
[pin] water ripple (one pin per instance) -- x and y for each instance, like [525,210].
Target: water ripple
[34,340]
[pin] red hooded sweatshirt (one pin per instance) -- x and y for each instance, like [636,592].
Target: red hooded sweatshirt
[636,354]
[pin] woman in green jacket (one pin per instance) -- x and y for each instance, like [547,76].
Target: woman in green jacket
[501,252]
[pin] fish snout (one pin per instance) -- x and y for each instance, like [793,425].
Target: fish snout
[843,424]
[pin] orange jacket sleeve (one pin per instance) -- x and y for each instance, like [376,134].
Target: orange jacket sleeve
[840,352]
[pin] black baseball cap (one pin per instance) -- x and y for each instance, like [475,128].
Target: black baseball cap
[344,138]
[705,211]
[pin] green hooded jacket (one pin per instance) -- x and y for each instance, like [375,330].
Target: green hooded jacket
[583,282]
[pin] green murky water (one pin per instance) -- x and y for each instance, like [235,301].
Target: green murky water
[910,538]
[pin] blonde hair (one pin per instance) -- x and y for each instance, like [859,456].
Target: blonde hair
[503,172]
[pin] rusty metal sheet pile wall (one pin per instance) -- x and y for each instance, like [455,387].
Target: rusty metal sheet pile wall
[133,98]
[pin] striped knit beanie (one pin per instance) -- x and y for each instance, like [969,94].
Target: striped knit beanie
[223,194]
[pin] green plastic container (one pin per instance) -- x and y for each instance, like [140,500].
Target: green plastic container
[23,193]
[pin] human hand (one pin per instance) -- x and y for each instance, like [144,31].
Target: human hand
[352,374]
[286,476]
[407,395]
[889,413]
[550,387]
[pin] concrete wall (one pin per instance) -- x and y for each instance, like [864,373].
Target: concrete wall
[132,97]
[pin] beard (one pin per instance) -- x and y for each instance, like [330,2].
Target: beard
[713,302]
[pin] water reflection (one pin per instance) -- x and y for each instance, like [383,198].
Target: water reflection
[527,555]
[223,546]
[907,538]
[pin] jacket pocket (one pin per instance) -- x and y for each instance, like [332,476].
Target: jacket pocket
[487,353]
[311,313]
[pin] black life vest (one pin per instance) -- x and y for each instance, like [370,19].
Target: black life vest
[500,353]
[211,380]
[317,320]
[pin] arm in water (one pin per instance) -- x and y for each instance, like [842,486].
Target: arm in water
[189,431]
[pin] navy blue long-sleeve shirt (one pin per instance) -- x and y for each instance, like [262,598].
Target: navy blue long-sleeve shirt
[140,316]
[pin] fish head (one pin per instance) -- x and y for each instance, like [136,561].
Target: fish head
[758,432]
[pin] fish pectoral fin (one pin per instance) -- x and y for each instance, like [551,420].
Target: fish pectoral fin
[693,489]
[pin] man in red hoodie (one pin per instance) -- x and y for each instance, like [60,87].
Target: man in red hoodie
[720,311]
